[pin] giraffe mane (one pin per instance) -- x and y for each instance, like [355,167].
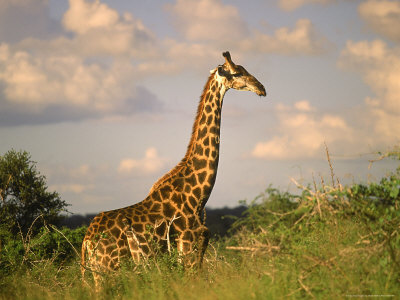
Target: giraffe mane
[189,150]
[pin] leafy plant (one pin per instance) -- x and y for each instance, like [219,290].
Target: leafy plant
[24,195]
[61,247]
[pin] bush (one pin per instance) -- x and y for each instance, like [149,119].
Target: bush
[60,247]
[330,241]
[25,202]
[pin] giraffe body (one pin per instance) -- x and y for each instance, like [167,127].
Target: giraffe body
[171,215]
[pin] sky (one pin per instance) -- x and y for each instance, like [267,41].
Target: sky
[103,93]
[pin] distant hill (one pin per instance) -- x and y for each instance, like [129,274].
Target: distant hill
[218,220]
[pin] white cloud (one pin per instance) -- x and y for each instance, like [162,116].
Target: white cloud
[94,70]
[89,74]
[302,133]
[102,30]
[303,105]
[290,5]
[177,56]
[83,16]
[207,20]
[379,65]
[221,26]
[64,80]
[151,163]
[375,125]
[302,39]
[382,17]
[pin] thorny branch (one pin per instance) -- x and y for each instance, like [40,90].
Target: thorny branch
[168,230]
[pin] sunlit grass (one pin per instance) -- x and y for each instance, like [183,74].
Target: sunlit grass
[327,260]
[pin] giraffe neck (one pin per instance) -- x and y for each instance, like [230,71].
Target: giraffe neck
[204,143]
[202,155]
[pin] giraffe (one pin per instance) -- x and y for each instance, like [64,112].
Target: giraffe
[171,215]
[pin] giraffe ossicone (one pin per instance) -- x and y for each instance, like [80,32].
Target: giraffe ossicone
[171,214]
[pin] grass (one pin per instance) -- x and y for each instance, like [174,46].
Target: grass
[329,259]
[329,242]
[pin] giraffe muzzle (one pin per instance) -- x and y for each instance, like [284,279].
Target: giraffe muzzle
[256,87]
[261,91]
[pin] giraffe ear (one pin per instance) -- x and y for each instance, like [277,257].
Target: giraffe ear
[228,60]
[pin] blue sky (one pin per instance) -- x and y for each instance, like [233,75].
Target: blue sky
[103,93]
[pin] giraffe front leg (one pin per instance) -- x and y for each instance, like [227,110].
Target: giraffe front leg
[192,245]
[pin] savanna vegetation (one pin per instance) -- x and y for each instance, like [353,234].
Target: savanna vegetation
[329,241]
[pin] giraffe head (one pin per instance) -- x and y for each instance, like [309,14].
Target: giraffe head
[236,77]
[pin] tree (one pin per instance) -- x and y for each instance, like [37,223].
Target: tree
[24,196]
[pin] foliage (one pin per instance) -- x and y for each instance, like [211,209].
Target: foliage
[330,241]
[264,209]
[49,244]
[24,195]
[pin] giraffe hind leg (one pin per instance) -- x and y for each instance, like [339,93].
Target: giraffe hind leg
[84,259]
[134,246]
[89,262]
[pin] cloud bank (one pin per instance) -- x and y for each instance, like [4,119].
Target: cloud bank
[379,66]
[207,20]
[213,22]
[86,74]
[92,64]
[383,17]
[290,5]
[302,39]
[302,132]
[372,125]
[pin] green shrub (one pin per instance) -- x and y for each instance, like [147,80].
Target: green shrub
[49,244]
[329,241]
[25,202]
